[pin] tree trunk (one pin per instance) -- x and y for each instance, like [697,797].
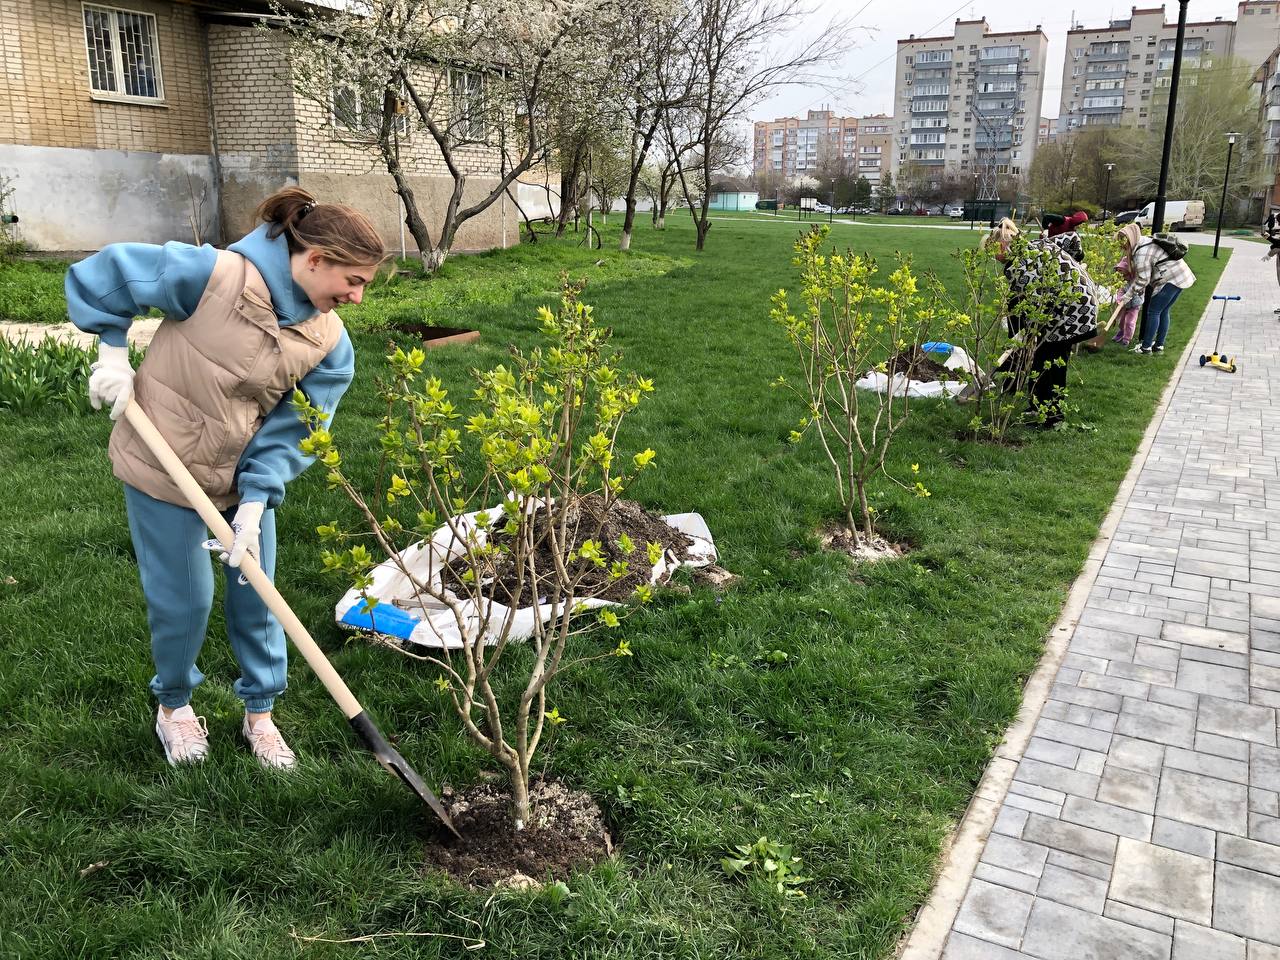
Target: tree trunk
[519,800]
[412,218]
[625,242]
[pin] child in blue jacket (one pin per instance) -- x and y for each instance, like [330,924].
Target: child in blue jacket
[242,327]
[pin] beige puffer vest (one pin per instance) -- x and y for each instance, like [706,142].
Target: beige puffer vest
[209,381]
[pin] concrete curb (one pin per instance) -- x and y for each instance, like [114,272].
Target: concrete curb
[928,935]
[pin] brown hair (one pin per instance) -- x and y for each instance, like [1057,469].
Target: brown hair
[341,233]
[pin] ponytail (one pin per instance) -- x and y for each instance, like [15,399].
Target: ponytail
[341,233]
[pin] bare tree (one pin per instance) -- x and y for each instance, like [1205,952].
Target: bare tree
[474,76]
[732,51]
[657,78]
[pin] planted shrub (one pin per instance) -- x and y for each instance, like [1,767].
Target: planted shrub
[850,325]
[543,439]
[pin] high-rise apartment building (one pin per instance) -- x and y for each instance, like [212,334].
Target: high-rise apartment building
[970,102]
[1113,75]
[790,147]
[1257,32]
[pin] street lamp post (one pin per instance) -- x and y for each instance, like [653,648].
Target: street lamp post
[1106,191]
[973,206]
[1157,218]
[1072,201]
[1222,205]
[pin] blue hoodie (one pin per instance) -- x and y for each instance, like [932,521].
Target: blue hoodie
[107,290]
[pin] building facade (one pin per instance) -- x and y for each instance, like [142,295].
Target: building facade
[155,120]
[1257,32]
[1113,75]
[875,147]
[789,147]
[1267,80]
[969,101]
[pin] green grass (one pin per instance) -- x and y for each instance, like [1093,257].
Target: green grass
[900,681]
[31,291]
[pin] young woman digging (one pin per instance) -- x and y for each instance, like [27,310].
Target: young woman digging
[242,327]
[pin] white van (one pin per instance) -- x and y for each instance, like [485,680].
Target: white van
[1178,215]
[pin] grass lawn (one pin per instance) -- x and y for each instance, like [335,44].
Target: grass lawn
[31,291]
[861,751]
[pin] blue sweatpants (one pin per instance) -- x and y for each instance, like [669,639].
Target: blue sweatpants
[177,581]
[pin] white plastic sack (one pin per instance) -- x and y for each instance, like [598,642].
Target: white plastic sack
[399,613]
[902,386]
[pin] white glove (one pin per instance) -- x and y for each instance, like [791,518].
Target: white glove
[111,381]
[247,526]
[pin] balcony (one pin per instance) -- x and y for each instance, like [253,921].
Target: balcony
[1273,112]
[1105,57]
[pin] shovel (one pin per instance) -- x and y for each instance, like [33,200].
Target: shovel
[360,721]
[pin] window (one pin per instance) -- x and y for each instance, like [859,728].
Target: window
[468,105]
[124,58]
[363,115]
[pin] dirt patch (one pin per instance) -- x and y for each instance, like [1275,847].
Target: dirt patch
[567,832]
[867,549]
[915,364]
[588,519]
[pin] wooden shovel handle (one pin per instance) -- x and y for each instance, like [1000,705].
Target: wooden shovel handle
[252,571]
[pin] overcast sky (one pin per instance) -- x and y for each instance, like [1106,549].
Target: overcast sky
[872,62]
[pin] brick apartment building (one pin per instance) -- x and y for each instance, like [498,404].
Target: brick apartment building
[127,120]
[791,147]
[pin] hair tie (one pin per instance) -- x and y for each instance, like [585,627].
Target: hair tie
[307,208]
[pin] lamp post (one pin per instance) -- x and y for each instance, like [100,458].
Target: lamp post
[1071,202]
[973,205]
[1222,204]
[1157,218]
[1106,191]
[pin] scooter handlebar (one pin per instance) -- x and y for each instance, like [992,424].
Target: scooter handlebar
[1217,296]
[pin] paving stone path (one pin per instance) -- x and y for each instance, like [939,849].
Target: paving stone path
[1143,819]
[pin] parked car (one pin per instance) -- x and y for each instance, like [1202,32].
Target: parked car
[1178,215]
[821,207]
[955,211]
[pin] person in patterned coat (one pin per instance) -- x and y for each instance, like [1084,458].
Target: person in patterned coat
[1050,323]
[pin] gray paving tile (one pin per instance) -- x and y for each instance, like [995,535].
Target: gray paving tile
[1157,722]
[1243,721]
[1206,637]
[1198,677]
[1244,903]
[1262,857]
[961,946]
[1078,890]
[1013,854]
[1163,880]
[1006,878]
[1223,768]
[1071,838]
[1107,817]
[1078,864]
[1142,756]
[1194,942]
[1057,778]
[1058,932]
[994,913]
[1203,801]
[1198,841]
[1128,788]
[1146,919]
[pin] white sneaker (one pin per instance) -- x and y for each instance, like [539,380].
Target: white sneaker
[267,744]
[183,735]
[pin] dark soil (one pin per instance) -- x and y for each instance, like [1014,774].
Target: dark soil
[915,364]
[588,520]
[567,832]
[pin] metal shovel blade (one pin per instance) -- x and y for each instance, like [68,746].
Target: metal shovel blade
[390,758]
